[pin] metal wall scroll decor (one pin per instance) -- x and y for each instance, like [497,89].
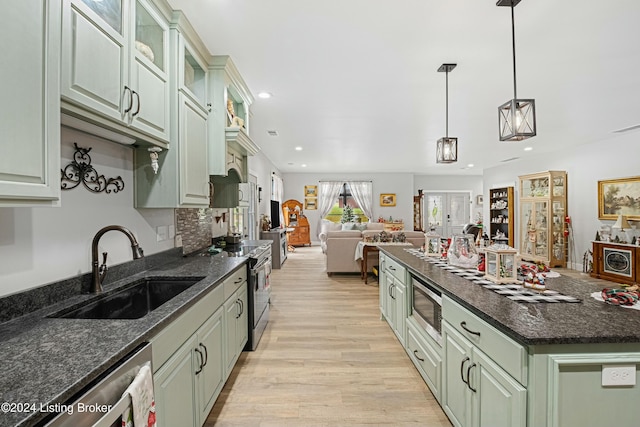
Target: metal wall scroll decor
[81,171]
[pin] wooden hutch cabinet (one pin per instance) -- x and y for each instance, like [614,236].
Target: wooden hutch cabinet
[417,212]
[501,217]
[295,219]
[543,209]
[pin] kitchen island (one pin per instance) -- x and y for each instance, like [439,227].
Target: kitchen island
[48,360]
[533,364]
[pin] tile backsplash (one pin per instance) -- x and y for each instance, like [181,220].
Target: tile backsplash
[194,226]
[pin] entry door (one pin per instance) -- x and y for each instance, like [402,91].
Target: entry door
[447,212]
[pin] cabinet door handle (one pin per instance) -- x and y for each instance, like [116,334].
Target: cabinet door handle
[389,290]
[237,308]
[206,354]
[241,307]
[138,98]
[127,89]
[463,324]
[415,353]
[201,360]
[469,379]
[465,360]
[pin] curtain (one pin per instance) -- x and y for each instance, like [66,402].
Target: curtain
[362,193]
[327,195]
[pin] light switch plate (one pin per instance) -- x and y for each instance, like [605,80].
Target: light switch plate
[618,375]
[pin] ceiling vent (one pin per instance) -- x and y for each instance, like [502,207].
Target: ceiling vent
[272,132]
[509,160]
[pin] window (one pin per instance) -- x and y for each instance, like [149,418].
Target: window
[345,198]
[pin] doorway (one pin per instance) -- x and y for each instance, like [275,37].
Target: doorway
[447,213]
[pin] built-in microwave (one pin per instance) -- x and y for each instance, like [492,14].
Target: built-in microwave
[426,305]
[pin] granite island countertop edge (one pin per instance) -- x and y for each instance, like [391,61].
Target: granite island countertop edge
[531,324]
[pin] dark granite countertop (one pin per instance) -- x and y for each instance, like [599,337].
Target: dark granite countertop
[47,360]
[589,321]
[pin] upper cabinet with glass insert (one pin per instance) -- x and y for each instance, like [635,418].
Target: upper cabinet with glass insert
[115,69]
[543,209]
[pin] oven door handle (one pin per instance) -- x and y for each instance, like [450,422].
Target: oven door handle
[262,264]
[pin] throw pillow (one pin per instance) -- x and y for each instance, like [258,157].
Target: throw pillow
[361,227]
[348,226]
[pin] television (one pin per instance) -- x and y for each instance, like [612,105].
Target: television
[275,214]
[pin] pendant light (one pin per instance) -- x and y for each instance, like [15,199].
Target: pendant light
[517,117]
[447,147]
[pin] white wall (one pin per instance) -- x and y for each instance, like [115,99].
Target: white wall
[616,157]
[399,183]
[43,245]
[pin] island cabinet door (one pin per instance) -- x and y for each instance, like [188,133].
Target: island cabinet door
[498,400]
[456,397]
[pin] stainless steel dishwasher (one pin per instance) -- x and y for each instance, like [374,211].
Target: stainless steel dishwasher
[89,409]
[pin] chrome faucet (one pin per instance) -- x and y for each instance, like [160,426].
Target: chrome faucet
[100,271]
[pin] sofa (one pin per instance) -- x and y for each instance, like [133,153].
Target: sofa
[339,245]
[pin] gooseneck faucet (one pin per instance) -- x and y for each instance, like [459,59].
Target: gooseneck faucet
[100,271]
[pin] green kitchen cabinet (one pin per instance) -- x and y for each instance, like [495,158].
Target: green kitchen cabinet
[426,355]
[30,115]
[115,66]
[182,178]
[393,296]
[211,378]
[236,324]
[477,391]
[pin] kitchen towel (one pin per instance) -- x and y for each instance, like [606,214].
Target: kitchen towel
[142,411]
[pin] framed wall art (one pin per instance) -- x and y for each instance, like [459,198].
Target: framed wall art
[619,197]
[388,199]
[310,203]
[310,191]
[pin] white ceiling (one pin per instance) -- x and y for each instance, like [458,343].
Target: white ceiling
[355,82]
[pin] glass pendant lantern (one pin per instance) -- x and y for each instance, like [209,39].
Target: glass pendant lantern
[447,146]
[517,117]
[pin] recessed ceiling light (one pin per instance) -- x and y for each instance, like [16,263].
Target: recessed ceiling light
[528,148]
[303,165]
[470,165]
[264,95]
[298,148]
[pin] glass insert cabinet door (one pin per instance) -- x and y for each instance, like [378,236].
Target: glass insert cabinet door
[534,229]
[109,10]
[150,36]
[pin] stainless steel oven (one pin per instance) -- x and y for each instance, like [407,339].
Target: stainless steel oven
[426,307]
[259,295]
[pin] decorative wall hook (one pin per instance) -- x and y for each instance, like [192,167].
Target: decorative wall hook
[153,153]
[81,171]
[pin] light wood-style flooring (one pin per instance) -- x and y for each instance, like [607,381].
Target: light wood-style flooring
[326,359]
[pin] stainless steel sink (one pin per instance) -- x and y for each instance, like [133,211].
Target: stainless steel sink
[133,301]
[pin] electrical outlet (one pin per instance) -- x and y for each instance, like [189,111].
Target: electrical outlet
[162,232]
[618,375]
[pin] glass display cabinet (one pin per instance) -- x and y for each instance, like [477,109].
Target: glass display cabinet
[501,217]
[543,209]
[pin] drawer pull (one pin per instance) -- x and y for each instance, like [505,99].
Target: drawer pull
[465,360]
[464,326]
[468,378]
[391,268]
[238,281]
[415,353]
